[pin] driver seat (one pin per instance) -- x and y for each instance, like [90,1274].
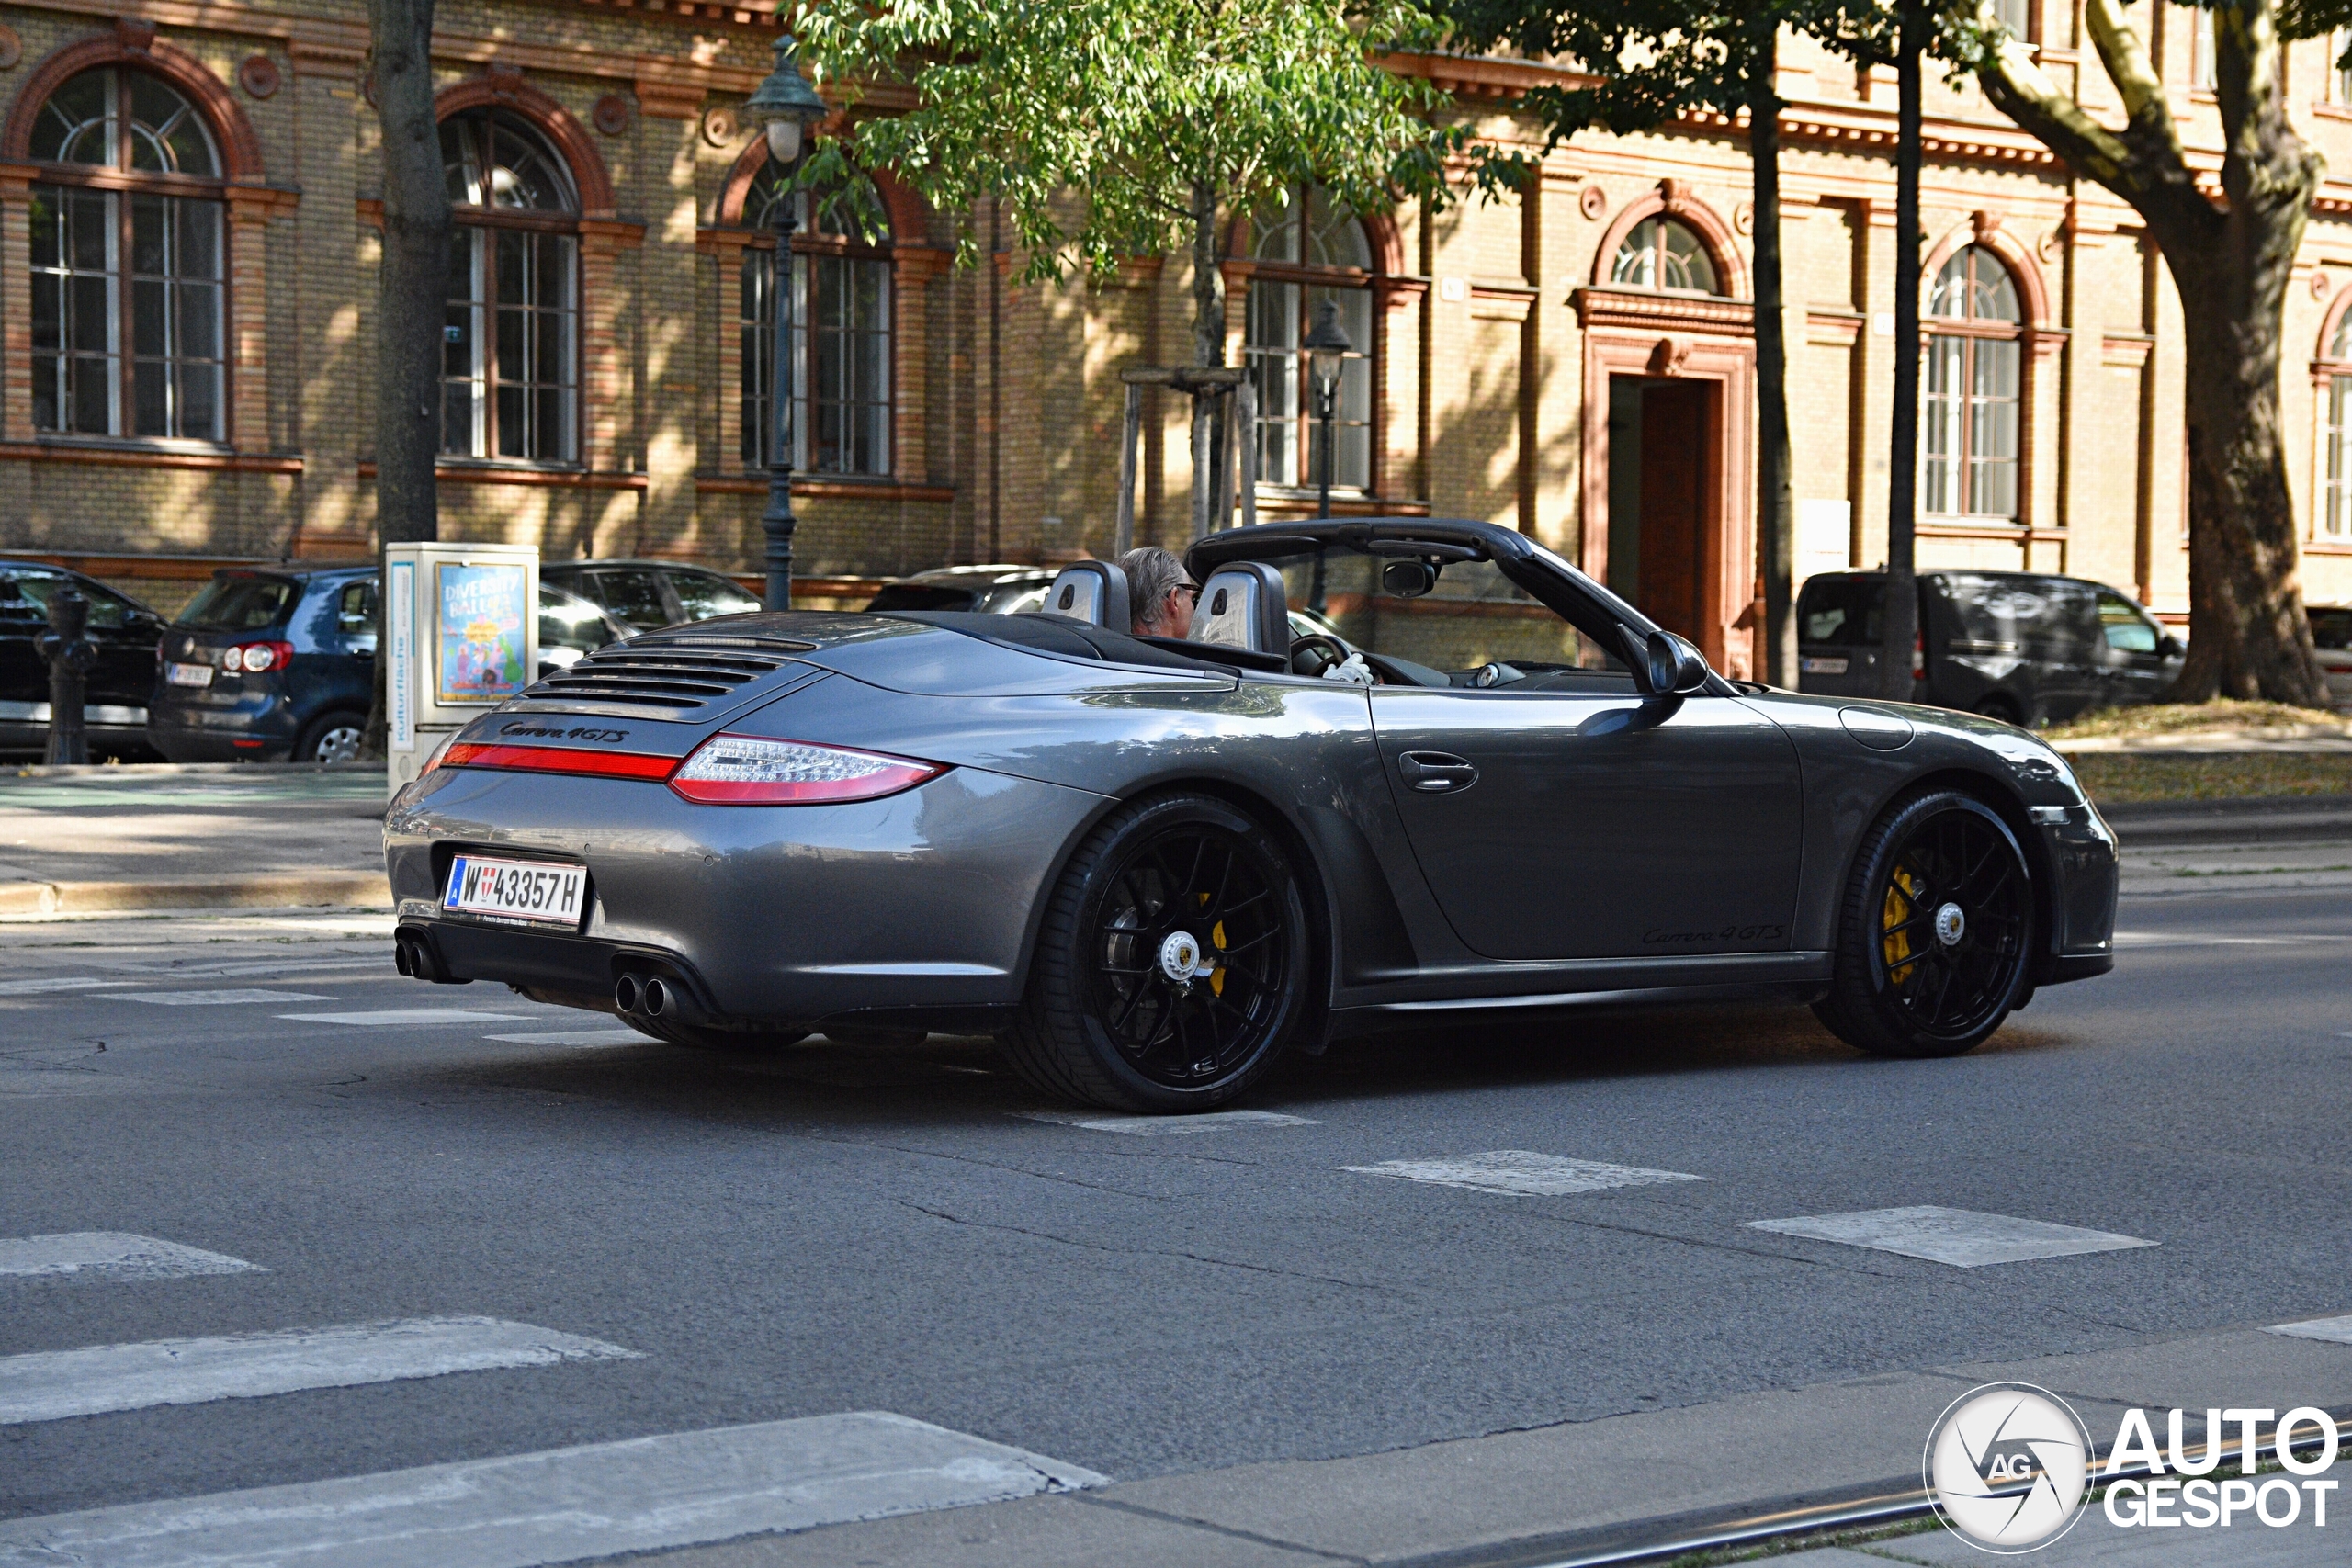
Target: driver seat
[1090,591]
[1243,605]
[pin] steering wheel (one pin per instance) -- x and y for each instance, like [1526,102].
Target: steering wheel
[1314,653]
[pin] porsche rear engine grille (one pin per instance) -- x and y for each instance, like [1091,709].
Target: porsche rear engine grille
[671,677]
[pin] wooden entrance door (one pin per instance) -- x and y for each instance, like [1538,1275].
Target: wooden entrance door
[1675,486]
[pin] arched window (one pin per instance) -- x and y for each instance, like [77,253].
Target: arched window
[1660,253]
[2335,519]
[510,347]
[1310,250]
[126,262]
[841,342]
[1972,378]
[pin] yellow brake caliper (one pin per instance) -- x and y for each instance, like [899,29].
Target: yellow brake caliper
[1217,940]
[1900,891]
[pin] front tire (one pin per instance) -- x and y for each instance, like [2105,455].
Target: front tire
[1171,964]
[1935,935]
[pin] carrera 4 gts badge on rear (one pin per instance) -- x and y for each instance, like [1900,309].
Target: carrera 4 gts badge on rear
[606,737]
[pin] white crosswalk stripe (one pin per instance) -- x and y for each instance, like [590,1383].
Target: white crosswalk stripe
[1521,1173]
[406,1017]
[525,1510]
[1165,1126]
[212,998]
[51,1385]
[1962,1238]
[578,1037]
[113,1255]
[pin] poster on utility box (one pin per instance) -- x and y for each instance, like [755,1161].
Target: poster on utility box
[481,633]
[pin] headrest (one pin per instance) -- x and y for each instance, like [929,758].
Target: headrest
[1243,605]
[1090,591]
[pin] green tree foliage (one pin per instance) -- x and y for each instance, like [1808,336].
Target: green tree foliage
[1100,130]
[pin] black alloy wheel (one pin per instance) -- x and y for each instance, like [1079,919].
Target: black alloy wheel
[1936,930]
[1172,963]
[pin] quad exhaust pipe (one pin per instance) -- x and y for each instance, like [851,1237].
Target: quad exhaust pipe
[413,955]
[646,996]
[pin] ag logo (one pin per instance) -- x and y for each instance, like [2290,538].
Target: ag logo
[2007,1467]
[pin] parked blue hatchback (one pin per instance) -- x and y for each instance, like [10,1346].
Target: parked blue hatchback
[279,663]
[268,664]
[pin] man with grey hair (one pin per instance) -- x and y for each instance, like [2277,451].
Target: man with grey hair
[1160,591]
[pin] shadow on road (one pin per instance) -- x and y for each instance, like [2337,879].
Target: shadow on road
[949,1081]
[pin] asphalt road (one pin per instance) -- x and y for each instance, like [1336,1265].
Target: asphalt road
[834,1230]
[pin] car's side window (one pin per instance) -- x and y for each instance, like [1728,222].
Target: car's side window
[108,611]
[2125,628]
[634,594]
[700,597]
[354,611]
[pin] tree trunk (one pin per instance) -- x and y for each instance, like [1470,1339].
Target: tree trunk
[1208,351]
[1776,662]
[2231,262]
[410,303]
[1900,618]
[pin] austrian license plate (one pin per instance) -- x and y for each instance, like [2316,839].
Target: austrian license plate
[188,674]
[1822,665]
[547,892]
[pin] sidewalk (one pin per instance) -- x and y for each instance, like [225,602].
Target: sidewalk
[1617,1484]
[93,840]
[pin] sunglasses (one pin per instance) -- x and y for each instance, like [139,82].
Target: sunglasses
[1189,590]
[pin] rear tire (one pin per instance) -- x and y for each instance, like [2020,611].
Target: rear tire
[1107,1020]
[331,737]
[1935,933]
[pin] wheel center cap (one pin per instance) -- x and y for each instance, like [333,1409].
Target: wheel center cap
[1950,924]
[1180,957]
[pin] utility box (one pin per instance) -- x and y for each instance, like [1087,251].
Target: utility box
[463,626]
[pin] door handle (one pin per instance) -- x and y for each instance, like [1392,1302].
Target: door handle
[1437,773]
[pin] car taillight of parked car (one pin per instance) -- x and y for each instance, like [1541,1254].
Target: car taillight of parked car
[1918,655]
[256,658]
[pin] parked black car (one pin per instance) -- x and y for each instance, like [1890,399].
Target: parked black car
[303,671]
[113,707]
[649,594]
[2022,646]
[992,590]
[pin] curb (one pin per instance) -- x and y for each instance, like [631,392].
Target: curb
[365,889]
[134,771]
[2265,819]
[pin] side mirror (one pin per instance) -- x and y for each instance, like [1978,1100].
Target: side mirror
[1408,579]
[1676,669]
[2171,647]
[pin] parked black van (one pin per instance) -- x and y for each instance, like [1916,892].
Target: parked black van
[2022,646]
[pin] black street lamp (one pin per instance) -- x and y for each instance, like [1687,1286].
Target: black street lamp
[1327,349]
[789,108]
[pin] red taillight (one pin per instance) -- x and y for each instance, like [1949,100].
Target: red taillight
[1918,655]
[257,658]
[753,769]
[558,760]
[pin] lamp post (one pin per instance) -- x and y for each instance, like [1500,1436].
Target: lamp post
[1327,349]
[789,108]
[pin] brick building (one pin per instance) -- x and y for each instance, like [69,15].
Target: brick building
[188,239]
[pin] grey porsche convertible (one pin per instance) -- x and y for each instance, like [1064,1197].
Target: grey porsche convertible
[1403,770]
